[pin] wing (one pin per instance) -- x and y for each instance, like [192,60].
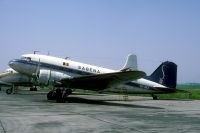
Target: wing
[102,81]
[5,84]
[2,75]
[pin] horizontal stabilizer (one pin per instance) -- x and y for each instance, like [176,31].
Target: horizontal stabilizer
[165,90]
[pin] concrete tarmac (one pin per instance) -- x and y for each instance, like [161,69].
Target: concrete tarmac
[32,113]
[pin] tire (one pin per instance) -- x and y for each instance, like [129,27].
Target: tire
[59,98]
[31,89]
[155,98]
[8,91]
[58,95]
[51,95]
[68,91]
[35,89]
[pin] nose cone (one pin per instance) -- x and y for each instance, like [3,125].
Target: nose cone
[17,65]
[12,64]
[22,66]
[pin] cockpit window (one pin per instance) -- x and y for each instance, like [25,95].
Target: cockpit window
[26,58]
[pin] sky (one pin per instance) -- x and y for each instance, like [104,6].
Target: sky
[104,32]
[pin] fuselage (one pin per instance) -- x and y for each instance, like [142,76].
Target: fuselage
[31,64]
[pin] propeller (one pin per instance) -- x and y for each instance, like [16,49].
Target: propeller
[38,69]
[37,72]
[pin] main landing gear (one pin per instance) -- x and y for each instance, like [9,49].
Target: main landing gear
[59,95]
[154,97]
[33,89]
[10,90]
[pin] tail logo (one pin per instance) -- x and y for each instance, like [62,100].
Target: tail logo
[163,75]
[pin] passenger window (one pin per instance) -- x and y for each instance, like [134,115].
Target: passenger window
[28,59]
[65,64]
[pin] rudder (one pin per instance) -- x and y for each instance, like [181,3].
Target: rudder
[165,74]
[131,63]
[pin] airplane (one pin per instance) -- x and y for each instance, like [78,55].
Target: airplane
[63,75]
[11,78]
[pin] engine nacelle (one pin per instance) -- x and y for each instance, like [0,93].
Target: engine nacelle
[48,77]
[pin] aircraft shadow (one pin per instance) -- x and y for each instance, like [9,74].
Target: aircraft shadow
[105,102]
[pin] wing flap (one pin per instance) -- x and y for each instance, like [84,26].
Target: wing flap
[102,81]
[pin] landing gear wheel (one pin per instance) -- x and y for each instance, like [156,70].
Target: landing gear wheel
[51,95]
[59,96]
[68,92]
[9,91]
[33,89]
[65,93]
[155,97]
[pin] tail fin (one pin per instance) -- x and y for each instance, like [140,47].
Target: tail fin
[165,74]
[131,63]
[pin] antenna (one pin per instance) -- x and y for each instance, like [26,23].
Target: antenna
[35,52]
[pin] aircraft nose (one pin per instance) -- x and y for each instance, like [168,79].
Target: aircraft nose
[22,66]
[12,63]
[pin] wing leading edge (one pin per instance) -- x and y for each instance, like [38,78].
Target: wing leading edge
[2,83]
[102,81]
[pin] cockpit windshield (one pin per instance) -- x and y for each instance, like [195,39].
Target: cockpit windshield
[26,58]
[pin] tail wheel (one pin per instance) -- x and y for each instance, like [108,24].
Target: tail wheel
[33,89]
[155,97]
